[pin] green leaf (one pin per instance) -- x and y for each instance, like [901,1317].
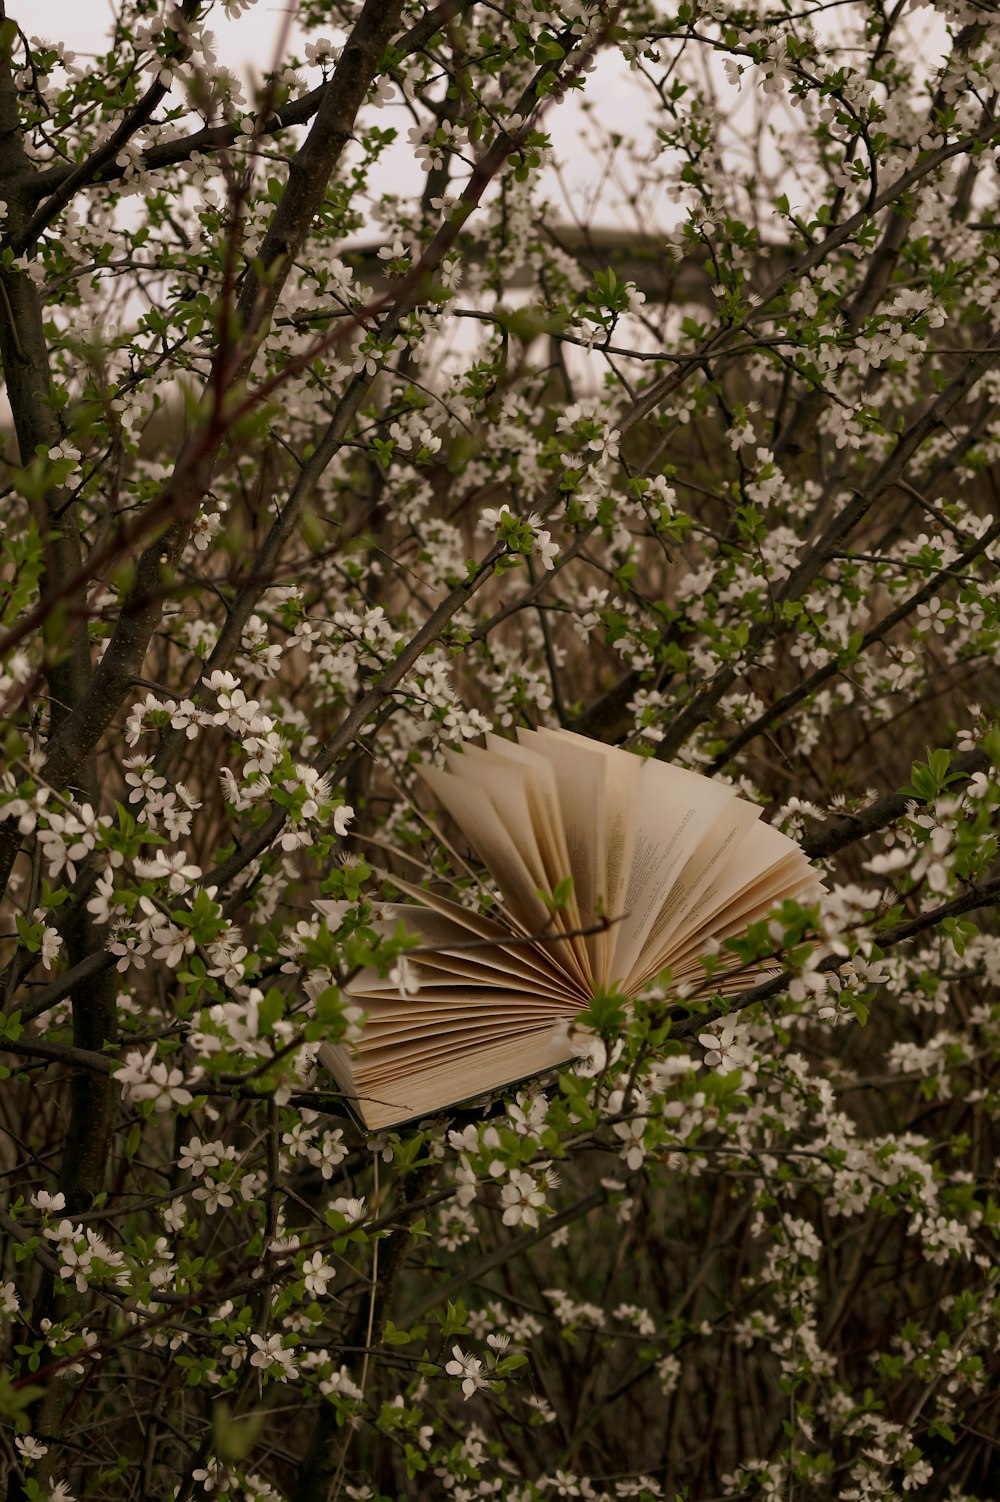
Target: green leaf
[606,1013]
[14,1398]
[557,899]
[234,1435]
[454,1320]
[931,777]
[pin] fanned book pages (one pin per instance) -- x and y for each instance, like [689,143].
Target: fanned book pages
[662,860]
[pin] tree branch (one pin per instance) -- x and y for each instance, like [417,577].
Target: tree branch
[90,169]
[877,633]
[826,839]
[887,938]
[310,170]
[213,139]
[888,472]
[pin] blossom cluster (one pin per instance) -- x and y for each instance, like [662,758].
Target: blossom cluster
[340,466]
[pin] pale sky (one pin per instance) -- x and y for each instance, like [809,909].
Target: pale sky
[248,43]
[84,26]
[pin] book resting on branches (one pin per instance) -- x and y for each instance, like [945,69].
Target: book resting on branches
[662,861]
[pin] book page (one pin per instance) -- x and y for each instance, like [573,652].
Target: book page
[542,797]
[511,787]
[764,858]
[469,1016]
[622,783]
[479,821]
[505,787]
[530,956]
[453,1077]
[434,976]
[622,818]
[677,809]
[336,1057]
[581,776]
[750,907]
[719,845]
[448,965]
[446,968]
[466,917]
[546,814]
[440,1014]
[405,1061]
[724,912]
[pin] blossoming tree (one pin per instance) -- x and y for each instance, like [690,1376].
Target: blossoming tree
[337,437]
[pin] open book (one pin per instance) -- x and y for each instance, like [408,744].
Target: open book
[662,861]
